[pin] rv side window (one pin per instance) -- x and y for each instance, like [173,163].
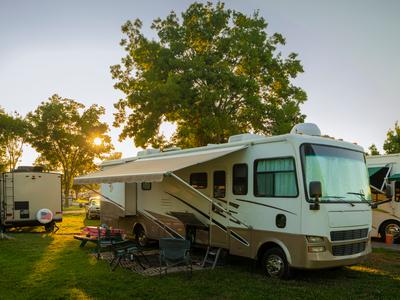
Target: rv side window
[275,178]
[198,180]
[219,184]
[239,179]
[146,186]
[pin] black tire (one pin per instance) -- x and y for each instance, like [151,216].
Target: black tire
[274,263]
[140,236]
[387,226]
[49,227]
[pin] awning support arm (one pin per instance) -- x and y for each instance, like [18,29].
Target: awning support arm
[207,198]
[386,177]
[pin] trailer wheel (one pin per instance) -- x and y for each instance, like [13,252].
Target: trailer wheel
[275,264]
[390,226]
[49,227]
[140,235]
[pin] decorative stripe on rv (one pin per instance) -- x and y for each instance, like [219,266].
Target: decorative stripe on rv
[270,206]
[222,227]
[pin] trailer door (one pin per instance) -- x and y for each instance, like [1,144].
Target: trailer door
[130,199]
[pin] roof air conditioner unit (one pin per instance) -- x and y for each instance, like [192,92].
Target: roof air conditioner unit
[306,128]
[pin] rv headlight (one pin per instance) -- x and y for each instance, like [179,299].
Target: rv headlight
[314,239]
[315,249]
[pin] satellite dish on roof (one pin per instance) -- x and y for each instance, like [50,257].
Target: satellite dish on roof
[306,128]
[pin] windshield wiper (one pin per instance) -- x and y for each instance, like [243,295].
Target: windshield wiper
[362,197]
[338,201]
[333,197]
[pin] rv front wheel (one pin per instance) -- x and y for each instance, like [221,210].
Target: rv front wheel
[274,263]
[140,235]
[390,227]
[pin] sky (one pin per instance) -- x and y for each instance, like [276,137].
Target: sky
[350,51]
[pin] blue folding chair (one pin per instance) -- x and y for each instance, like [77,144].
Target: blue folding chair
[175,252]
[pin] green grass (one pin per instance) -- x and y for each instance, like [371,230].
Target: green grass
[41,266]
[74,208]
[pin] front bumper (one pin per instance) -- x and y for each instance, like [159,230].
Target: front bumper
[327,259]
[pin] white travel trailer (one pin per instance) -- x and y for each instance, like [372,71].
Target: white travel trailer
[385,170]
[255,196]
[30,197]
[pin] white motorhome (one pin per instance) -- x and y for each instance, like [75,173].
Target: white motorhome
[385,170]
[255,196]
[30,197]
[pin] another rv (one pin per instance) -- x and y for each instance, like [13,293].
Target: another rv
[384,170]
[30,197]
[297,200]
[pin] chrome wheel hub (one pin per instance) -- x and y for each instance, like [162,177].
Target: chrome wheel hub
[274,265]
[393,229]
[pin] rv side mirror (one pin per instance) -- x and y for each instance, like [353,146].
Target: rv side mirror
[315,189]
[389,192]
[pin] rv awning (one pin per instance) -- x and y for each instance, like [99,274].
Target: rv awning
[153,169]
[394,177]
[374,170]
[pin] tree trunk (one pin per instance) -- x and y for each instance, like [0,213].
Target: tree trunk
[67,187]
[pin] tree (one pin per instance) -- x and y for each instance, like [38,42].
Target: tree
[13,135]
[392,142]
[373,150]
[214,73]
[63,132]
[3,160]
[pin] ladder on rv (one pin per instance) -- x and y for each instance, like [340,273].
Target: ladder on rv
[8,196]
[211,257]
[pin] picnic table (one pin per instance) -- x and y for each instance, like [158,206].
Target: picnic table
[102,236]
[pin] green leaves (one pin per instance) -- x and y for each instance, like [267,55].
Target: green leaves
[214,73]
[13,134]
[392,142]
[63,131]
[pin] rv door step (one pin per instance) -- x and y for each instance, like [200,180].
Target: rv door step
[211,257]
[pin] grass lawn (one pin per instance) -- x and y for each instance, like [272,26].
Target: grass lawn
[41,266]
[73,208]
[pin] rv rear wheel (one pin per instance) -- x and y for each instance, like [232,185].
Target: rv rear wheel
[274,263]
[392,227]
[49,227]
[140,235]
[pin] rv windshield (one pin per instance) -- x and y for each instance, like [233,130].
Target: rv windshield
[342,172]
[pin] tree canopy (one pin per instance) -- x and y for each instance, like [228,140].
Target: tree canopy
[373,150]
[13,134]
[392,142]
[63,132]
[214,72]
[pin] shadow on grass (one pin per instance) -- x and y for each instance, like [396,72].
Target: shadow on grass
[57,268]
[18,259]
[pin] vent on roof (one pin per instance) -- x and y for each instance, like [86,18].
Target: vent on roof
[244,137]
[148,152]
[306,128]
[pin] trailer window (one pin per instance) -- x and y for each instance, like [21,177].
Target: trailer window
[146,186]
[240,179]
[198,180]
[275,178]
[219,184]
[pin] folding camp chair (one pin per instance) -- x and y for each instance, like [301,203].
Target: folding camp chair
[127,250]
[174,252]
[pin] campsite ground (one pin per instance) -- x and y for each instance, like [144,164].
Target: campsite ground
[40,266]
